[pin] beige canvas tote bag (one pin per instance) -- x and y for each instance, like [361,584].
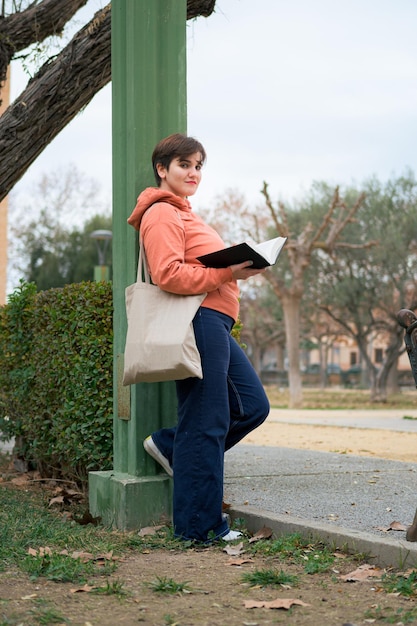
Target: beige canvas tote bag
[160,341]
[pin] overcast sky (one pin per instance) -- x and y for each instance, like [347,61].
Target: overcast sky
[287,92]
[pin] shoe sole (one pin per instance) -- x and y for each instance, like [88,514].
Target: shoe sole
[155,453]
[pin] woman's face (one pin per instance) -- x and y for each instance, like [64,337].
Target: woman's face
[183,175]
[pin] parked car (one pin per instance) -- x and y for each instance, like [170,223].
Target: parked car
[352,376]
[272,376]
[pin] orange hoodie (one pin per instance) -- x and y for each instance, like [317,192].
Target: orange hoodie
[173,237]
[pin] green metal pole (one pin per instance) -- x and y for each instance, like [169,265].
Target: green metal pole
[149,102]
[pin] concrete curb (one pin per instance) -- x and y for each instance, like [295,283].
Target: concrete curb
[381,551]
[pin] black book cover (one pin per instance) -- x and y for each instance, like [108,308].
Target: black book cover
[234,255]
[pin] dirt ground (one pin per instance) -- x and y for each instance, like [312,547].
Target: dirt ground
[387,444]
[217,595]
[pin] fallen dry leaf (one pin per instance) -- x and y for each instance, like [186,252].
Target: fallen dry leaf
[279,603]
[20,480]
[67,492]
[234,550]
[65,496]
[239,562]
[148,530]
[40,552]
[392,526]
[85,588]
[100,559]
[397,526]
[56,500]
[83,556]
[29,597]
[263,533]
[362,573]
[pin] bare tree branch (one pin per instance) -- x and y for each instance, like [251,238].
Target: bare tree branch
[197,8]
[280,226]
[61,88]
[53,98]
[33,25]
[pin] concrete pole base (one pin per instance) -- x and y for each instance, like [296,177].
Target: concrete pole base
[130,502]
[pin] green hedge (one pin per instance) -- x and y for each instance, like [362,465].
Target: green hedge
[56,377]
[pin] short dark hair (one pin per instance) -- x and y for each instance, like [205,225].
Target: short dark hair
[176,145]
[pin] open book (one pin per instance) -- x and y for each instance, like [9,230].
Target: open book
[262,254]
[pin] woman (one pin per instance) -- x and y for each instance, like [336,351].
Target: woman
[216,412]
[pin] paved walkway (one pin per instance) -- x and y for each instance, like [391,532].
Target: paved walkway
[343,499]
[404,420]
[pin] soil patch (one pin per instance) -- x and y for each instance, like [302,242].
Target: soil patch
[216,595]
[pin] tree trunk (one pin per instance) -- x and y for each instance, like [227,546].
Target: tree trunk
[256,357]
[324,354]
[379,386]
[280,357]
[60,89]
[291,308]
[392,379]
[53,98]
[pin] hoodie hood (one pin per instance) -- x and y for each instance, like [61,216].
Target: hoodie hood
[150,196]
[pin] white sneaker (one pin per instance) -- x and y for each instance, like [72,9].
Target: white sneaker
[153,451]
[232,535]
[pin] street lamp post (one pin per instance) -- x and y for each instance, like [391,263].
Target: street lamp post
[102,239]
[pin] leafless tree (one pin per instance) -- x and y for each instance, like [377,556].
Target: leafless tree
[325,236]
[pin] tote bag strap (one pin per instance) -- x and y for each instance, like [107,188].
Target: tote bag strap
[143,271]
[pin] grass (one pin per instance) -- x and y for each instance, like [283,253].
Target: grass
[115,588]
[315,558]
[400,584]
[63,568]
[388,615]
[40,615]
[45,615]
[27,523]
[269,578]
[162,584]
[333,398]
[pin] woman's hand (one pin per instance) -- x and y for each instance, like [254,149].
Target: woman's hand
[243,271]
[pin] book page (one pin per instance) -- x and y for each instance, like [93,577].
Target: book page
[270,249]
